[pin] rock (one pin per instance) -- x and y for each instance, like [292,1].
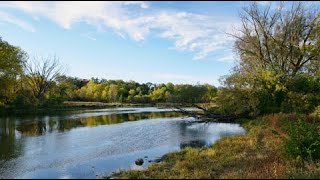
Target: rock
[139,162]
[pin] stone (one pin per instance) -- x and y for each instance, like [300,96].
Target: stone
[139,161]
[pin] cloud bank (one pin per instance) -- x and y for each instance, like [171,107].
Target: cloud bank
[200,34]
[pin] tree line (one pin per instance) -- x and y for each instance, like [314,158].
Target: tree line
[41,81]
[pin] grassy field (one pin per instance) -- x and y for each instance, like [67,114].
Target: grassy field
[257,154]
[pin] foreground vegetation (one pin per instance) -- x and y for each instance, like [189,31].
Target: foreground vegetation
[263,152]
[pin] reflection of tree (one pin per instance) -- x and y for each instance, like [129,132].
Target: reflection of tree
[183,129]
[190,133]
[193,143]
[69,124]
[10,148]
[119,118]
[39,126]
[52,124]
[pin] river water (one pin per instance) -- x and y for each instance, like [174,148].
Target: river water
[95,143]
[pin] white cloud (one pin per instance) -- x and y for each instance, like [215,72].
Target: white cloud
[196,33]
[141,3]
[263,3]
[7,18]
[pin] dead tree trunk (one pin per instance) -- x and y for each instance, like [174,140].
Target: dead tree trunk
[207,116]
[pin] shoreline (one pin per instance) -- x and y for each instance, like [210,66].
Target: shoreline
[258,154]
[158,161]
[81,105]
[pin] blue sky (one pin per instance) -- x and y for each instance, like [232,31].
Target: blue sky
[180,42]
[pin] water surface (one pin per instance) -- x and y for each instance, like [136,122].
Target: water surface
[94,143]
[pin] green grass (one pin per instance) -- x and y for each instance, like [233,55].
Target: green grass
[257,154]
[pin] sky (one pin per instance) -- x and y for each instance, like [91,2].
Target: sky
[158,42]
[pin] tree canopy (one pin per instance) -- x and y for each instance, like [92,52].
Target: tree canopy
[279,58]
[11,67]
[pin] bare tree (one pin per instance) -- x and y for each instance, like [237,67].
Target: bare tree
[285,40]
[41,72]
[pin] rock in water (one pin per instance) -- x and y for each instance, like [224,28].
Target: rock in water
[139,162]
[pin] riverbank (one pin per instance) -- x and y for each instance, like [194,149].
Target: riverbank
[117,104]
[80,105]
[257,154]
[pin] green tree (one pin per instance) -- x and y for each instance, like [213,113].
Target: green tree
[11,68]
[275,47]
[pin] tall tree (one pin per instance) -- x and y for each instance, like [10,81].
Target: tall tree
[41,72]
[11,67]
[277,46]
[283,40]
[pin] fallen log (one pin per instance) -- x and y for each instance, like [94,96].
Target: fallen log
[207,116]
[189,113]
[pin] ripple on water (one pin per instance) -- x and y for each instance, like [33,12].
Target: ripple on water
[97,142]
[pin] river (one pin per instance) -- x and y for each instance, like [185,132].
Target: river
[95,143]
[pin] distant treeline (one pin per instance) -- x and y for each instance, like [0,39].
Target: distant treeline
[40,81]
[102,90]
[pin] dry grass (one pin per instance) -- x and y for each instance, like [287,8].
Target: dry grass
[255,155]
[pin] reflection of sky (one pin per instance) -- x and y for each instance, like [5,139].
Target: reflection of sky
[125,110]
[107,148]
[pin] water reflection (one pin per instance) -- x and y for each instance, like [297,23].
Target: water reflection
[9,148]
[11,128]
[69,145]
[193,143]
[40,125]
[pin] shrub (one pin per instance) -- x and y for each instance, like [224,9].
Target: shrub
[25,98]
[303,141]
[317,112]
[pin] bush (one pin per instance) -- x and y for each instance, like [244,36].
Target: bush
[234,101]
[25,98]
[317,112]
[303,141]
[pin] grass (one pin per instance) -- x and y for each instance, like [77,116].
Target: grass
[257,154]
